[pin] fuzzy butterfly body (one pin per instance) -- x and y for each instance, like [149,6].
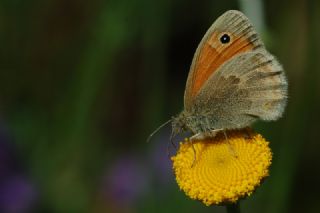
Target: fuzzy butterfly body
[233,80]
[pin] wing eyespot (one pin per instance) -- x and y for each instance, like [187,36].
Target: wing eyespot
[225,38]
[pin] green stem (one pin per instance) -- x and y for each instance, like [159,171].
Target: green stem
[233,208]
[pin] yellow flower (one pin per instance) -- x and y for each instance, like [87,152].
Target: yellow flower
[220,170]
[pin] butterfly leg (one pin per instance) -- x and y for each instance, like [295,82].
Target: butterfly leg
[194,152]
[168,145]
[231,149]
[203,135]
[214,132]
[247,133]
[198,136]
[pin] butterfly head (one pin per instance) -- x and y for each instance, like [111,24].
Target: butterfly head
[179,124]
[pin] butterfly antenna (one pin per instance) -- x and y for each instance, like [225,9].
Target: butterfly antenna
[155,131]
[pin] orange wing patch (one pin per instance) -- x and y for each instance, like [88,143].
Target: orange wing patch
[212,55]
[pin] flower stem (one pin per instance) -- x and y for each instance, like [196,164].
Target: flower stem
[233,208]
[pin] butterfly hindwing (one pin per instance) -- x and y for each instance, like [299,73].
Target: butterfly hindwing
[248,87]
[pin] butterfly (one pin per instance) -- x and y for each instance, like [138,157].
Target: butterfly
[233,81]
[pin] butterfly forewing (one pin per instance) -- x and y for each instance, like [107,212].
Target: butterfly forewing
[212,52]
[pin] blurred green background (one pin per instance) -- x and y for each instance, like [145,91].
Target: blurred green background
[83,83]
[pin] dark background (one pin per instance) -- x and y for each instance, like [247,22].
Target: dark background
[83,83]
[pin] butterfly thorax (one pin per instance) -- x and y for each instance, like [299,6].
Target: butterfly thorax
[192,122]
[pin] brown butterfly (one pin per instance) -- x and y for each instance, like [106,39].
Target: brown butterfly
[233,81]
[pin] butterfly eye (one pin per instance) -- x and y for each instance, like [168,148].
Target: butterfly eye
[225,38]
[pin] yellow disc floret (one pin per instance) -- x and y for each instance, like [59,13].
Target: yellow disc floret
[222,169]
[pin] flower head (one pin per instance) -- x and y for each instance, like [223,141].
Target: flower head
[222,170]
